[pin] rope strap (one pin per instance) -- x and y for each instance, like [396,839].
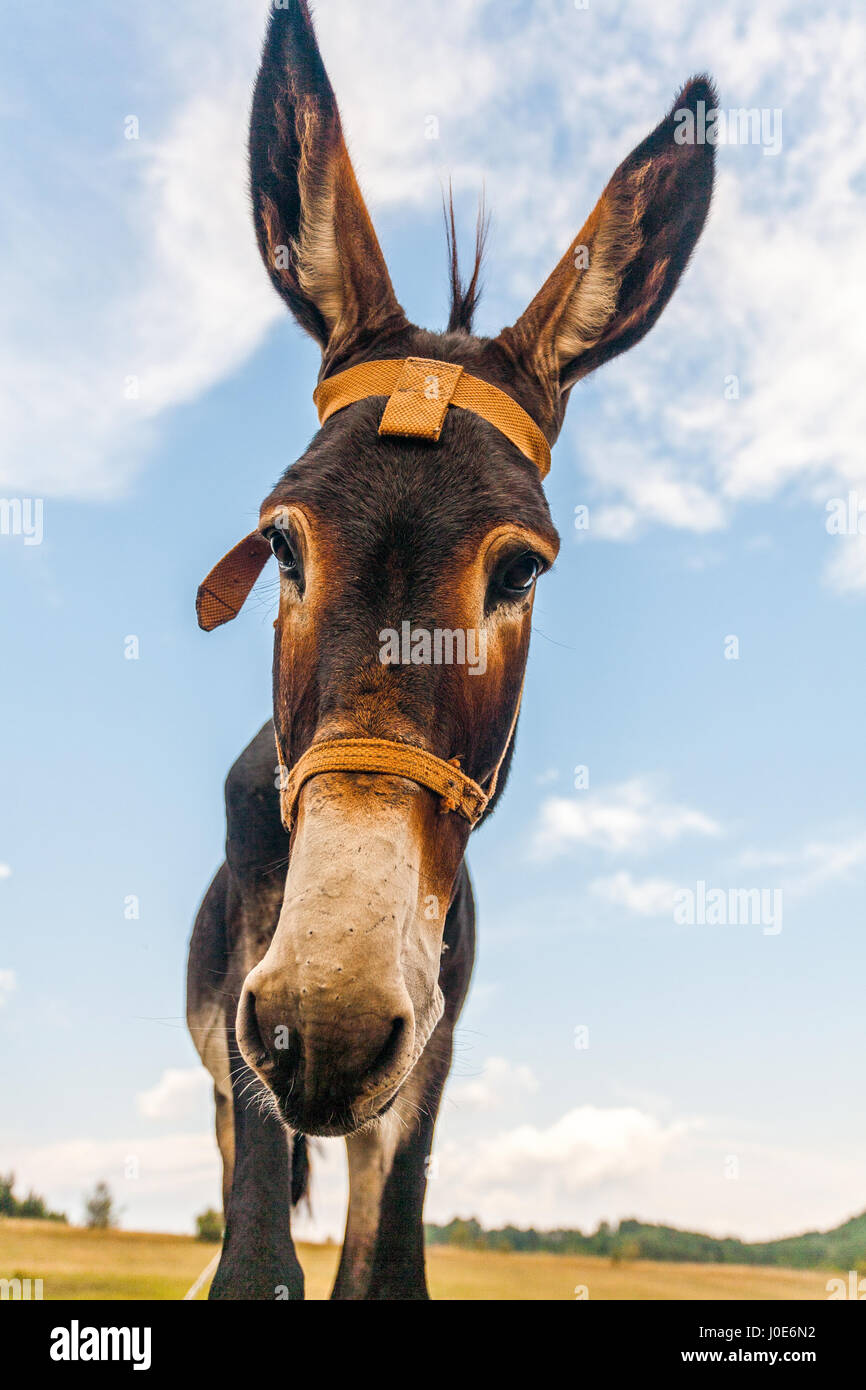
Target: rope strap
[458,792]
[420,390]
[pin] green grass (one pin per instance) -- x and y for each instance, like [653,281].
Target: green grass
[79,1264]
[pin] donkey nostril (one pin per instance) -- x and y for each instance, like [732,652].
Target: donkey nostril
[389,1053]
[249,1033]
[289,1050]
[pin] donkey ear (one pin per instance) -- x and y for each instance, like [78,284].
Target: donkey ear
[222,593]
[613,282]
[314,231]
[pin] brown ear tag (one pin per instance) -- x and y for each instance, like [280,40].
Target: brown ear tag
[222,594]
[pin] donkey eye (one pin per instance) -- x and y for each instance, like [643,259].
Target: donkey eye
[286,556]
[519,574]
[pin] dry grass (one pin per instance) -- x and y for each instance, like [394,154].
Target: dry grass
[79,1264]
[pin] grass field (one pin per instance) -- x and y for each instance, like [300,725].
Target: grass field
[79,1264]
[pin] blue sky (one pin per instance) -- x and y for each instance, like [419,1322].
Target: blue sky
[154,388]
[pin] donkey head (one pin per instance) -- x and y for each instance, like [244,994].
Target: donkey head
[386,541]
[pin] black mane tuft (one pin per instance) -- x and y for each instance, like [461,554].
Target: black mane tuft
[464,301]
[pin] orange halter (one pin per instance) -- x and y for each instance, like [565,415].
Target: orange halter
[420,391]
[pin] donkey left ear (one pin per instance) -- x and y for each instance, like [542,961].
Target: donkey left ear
[313,228]
[613,282]
[222,594]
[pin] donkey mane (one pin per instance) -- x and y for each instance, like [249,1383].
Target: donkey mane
[464,299]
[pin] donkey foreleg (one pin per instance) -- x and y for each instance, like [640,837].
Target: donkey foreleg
[258,1257]
[383,1250]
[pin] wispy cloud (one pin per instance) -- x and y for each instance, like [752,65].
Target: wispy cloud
[181,301]
[177,1091]
[762,400]
[810,866]
[8,985]
[174,297]
[501,1082]
[66,1168]
[596,1163]
[627,817]
[536,1172]
[646,897]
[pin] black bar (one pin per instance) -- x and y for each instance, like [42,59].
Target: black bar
[626,1336]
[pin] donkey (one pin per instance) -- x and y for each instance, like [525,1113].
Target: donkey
[332,953]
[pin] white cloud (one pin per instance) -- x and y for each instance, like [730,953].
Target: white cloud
[625,817]
[796,872]
[648,897]
[774,297]
[501,1082]
[606,1163]
[177,1092]
[615,523]
[655,496]
[813,864]
[180,298]
[130,1166]
[599,1164]
[8,985]
[5,871]
[535,1173]
[587,1146]
[825,862]
[159,1183]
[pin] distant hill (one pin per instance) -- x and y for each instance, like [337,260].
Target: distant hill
[842,1248]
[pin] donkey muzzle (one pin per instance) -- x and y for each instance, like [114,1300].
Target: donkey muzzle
[335,1015]
[332,1068]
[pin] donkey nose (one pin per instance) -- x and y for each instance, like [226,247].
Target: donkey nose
[321,1054]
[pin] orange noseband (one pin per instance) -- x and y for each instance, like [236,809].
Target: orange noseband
[457,791]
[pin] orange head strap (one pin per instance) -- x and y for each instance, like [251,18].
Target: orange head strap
[420,391]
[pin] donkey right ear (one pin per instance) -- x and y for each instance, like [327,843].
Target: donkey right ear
[314,231]
[222,593]
[612,284]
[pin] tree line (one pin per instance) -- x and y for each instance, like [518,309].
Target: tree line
[844,1247]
